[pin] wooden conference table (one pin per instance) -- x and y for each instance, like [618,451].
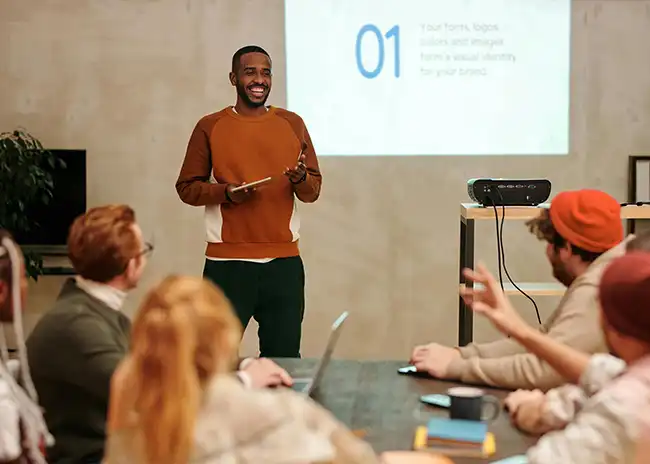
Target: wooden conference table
[373,397]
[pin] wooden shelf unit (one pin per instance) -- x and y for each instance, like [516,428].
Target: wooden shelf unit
[532,288]
[471,212]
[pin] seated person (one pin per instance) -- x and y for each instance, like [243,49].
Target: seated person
[615,389]
[76,346]
[173,399]
[89,333]
[537,413]
[22,428]
[583,231]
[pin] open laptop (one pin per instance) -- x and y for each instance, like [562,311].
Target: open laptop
[309,385]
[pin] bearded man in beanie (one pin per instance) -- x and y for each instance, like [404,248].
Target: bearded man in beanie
[606,417]
[583,232]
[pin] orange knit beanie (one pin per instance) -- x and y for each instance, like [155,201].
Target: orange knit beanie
[588,219]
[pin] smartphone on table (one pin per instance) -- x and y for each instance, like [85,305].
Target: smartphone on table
[436,399]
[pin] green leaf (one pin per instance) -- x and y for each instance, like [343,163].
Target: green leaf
[26,182]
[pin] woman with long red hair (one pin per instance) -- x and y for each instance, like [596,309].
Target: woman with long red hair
[174,399]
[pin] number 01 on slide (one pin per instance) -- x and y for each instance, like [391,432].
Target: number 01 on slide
[372,30]
[430,77]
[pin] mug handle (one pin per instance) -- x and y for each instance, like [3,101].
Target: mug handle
[495,403]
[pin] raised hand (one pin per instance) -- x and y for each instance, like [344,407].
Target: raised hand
[490,301]
[298,173]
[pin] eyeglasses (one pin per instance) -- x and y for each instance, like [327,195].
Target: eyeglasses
[147,250]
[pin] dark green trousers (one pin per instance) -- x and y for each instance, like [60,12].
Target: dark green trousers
[272,293]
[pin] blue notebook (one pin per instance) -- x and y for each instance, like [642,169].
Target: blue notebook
[456,430]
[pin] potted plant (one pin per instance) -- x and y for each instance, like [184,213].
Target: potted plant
[25,182]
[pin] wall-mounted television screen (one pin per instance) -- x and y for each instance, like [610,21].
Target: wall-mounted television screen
[68,201]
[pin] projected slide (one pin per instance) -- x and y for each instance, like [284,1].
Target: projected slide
[430,77]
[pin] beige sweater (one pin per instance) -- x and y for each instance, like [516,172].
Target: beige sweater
[237,425]
[575,322]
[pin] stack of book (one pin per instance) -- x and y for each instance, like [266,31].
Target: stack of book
[454,437]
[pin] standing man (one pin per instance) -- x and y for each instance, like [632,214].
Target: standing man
[252,234]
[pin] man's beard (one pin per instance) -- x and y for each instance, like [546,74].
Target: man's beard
[241,91]
[561,274]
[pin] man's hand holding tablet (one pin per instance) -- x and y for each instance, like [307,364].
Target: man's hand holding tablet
[239,193]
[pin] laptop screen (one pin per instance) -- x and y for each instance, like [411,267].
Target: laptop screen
[329,349]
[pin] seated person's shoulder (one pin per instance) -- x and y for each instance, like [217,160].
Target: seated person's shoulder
[70,323]
[64,316]
[595,271]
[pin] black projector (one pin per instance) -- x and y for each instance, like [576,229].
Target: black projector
[509,192]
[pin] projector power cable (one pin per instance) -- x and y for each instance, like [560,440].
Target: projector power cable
[501,253]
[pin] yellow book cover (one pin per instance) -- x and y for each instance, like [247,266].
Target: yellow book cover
[421,443]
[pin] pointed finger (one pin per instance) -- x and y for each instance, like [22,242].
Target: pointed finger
[468,299]
[474,276]
[417,357]
[286,378]
[481,308]
[492,284]
[487,276]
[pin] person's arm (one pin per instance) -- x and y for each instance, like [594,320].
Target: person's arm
[10,436]
[91,355]
[537,413]
[569,362]
[495,349]
[574,335]
[525,371]
[193,185]
[600,434]
[243,376]
[561,405]
[308,189]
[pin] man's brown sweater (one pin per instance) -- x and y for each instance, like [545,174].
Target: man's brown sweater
[228,148]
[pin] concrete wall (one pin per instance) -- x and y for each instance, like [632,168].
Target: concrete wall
[128,79]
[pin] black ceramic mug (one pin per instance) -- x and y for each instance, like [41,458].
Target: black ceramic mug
[470,403]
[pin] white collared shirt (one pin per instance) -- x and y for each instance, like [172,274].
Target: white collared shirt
[110,296]
[114,299]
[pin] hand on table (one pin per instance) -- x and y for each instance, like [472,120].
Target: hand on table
[265,373]
[240,195]
[298,173]
[490,301]
[434,359]
[526,408]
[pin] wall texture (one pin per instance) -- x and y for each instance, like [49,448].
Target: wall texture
[128,79]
